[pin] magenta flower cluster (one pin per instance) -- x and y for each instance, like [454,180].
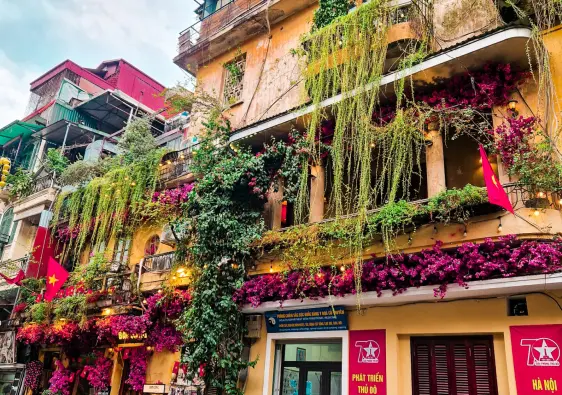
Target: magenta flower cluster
[168,306]
[61,381]
[33,372]
[138,357]
[108,328]
[512,138]
[99,374]
[173,197]
[436,266]
[164,337]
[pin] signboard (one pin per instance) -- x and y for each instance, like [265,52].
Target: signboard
[124,337]
[536,358]
[307,320]
[367,362]
[154,389]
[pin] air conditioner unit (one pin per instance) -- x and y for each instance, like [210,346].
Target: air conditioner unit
[167,237]
[253,324]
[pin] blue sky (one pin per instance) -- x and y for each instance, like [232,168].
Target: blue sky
[36,35]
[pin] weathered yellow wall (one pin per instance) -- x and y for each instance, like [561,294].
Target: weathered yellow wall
[470,317]
[278,88]
[160,367]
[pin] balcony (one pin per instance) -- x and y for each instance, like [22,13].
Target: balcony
[174,168]
[229,26]
[154,270]
[43,193]
[115,292]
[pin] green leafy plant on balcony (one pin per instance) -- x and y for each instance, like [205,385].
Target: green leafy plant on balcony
[71,307]
[20,184]
[55,162]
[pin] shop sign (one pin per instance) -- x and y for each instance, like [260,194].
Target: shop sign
[367,362]
[124,337]
[536,358]
[154,389]
[308,320]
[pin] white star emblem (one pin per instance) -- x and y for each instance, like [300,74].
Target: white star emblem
[545,351]
[370,350]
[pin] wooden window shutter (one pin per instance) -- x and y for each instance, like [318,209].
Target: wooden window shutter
[453,366]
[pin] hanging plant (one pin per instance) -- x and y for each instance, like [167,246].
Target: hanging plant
[138,357]
[99,373]
[33,372]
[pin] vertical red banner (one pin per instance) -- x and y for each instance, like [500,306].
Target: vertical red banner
[536,358]
[367,362]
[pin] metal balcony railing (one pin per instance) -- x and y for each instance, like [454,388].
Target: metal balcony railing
[159,262]
[175,164]
[198,34]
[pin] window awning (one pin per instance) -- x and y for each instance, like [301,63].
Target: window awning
[17,129]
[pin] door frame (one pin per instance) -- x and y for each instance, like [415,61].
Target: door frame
[304,336]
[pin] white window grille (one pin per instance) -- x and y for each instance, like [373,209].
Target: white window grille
[234,80]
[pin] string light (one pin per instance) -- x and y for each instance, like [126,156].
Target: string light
[560,202]
[372,145]
[500,228]
[435,229]
[271,269]
[342,268]
[409,238]
[169,162]
[235,265]
[541,195]
[133,184]
[465,231]
[537,213]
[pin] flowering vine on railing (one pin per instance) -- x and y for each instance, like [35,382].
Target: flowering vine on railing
[436,266]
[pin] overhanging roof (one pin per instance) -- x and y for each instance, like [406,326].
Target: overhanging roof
[503,46]
[17,129]
[114,108]
[77,134]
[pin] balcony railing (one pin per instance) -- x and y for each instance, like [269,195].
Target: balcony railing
[159,262]
[42,183]
[175,164]
[198,34]
[119,288]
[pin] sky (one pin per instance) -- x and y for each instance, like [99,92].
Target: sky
[36,35]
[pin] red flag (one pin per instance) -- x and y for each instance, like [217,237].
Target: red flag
[56,276]
[496,193]
[16,280]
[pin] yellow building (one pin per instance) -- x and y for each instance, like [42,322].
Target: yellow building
[445,303]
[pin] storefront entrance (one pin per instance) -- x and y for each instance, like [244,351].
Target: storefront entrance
[309,368]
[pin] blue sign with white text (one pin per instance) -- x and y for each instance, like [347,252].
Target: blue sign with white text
[307,320]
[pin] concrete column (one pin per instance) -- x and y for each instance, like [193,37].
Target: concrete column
[273,208]
[435,163]
[317,194]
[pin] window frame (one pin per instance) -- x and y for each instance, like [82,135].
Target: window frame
[231,100]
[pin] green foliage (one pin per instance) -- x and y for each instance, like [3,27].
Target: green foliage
[111,205]
[88,273]
[222,218]
[329,10]
[55,162]
[392,219]
[137,143]
[20,184]
[454,204]
[40,312]
[81,172]
[31,285]
[71,308]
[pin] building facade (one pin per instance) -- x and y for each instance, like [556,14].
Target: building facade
[404,161]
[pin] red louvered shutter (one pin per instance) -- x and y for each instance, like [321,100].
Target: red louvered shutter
[453,366]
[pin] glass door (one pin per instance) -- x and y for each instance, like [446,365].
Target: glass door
[310,369]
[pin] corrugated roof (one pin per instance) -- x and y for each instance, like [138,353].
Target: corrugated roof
[16,129]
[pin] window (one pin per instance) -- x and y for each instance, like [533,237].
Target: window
[151,246]
[453,366]
[121,255]
[214,5]
[234,80]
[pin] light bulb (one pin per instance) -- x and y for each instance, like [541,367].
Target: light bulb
[342,268]
[537,213]
[541,194]
[271,269]
[500,228]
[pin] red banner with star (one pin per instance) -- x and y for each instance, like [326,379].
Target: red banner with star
[367,362]
[56,276]
[536,358]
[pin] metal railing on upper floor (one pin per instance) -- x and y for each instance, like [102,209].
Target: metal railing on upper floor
[159,262]
[175,164]
[198,34]
[42,183]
